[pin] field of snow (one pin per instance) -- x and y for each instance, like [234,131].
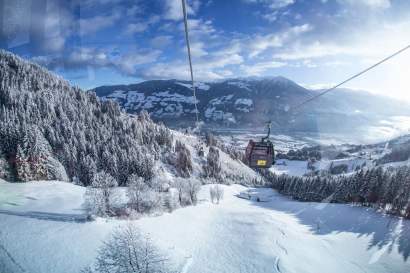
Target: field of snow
[290,167]
[43,229]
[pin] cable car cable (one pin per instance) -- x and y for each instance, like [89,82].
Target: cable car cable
[261,154]
[349,79]
[189,58]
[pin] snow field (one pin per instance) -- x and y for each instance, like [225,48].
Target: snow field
[237,235]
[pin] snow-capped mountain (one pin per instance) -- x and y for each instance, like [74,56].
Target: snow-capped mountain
[250,102]
[233,102]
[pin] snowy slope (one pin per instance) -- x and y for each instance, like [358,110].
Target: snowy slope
[234,171]
[238,235]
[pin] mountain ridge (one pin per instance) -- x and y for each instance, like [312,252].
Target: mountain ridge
[248,102]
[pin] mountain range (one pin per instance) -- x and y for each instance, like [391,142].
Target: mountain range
[251,102]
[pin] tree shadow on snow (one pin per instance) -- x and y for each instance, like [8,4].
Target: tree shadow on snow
[49,216]
[326,218]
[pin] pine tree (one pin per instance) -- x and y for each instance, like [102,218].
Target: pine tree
[23,169]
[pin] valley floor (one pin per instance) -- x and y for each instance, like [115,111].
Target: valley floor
[43,229]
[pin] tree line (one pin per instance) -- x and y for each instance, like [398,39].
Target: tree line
[386,189]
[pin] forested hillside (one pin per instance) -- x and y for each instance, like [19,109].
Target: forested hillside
[50,130]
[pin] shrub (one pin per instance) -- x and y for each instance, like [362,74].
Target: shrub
[213,164]
[129,251]
[100,195]
[183,162]
[217,193]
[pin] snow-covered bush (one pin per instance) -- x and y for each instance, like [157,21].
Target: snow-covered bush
[311,164]
[100,195]
[193,186]
[56,170]
[129,251]
[187,190]
[212,194]
[141,197]
[152,201]
[171,200]
[199,150]
[216,193]
[338,169]
[210,139]
[136,191]
[183,161]
[212,168]
[180,185]
[219,193]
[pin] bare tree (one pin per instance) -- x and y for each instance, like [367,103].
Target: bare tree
[180,185]
[217,193]
[135,192]
[212,193]
[193,187]
[129,251]
[100,196]
[171,200]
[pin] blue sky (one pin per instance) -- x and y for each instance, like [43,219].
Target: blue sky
[313,42]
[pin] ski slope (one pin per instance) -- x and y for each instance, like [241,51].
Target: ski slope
[43,230]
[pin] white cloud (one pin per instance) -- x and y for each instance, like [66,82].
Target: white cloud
[96,3]
[173,9]
[178,70]
[258,69]
[271,16]
[45,31]
[318,86]
[273,4]
[94,24]
[365,44]
[141,26]
[128,63]
[161,41]
[136,28]
[212,67]
[273,8]
[377,4]
[198,49]
[277,4]
[260,43]
[90,57]
[135,10]
[200,28]
[316,49]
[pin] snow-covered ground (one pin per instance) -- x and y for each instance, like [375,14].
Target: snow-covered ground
[43,229]
[290,167]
